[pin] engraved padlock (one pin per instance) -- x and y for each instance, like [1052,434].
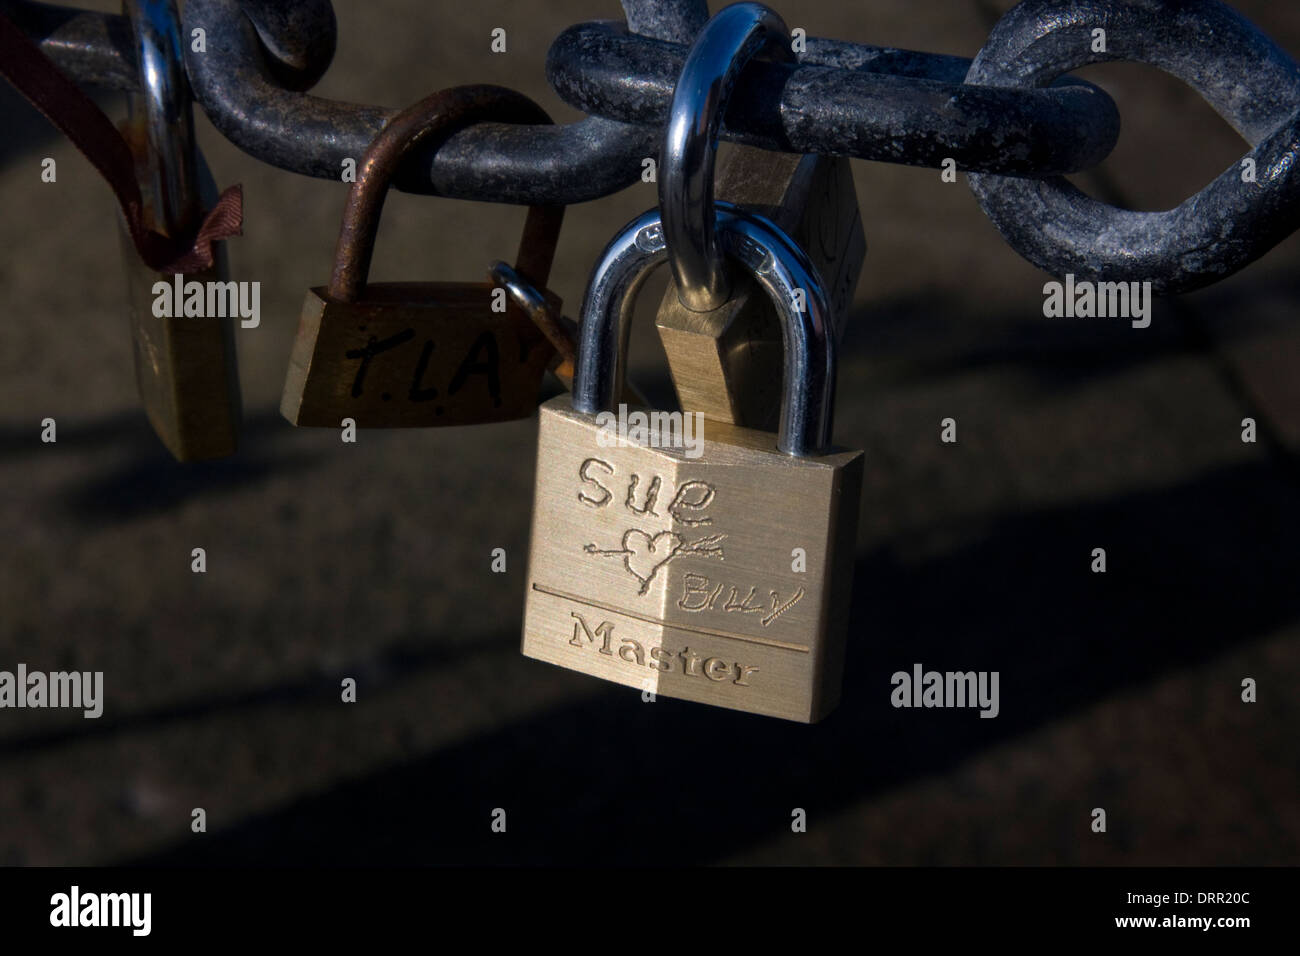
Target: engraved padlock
[412,354]
[719,331]
[185,366]
[717,569]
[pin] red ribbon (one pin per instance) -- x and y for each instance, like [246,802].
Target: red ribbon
[75,115]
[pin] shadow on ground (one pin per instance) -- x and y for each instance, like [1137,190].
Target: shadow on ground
[630,783]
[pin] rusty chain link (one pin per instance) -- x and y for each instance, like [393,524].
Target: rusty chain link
[1005,118]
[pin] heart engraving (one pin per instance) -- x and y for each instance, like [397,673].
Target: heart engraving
[644,555]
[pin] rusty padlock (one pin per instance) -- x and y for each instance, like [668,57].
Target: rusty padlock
[413,354]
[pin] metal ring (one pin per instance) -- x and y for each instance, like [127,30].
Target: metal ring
[167,120]
[525,295]
[776,263]
[1248,79]
[724,46]
[521,292]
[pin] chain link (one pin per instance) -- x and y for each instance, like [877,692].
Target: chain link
[1252,83]
[1008,118]
[849,99]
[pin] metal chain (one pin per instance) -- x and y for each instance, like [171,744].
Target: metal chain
[494,162]
[849,99]
[1004,118]
[1251,82]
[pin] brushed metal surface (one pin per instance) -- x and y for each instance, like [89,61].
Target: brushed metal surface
[675,574]
[414,354]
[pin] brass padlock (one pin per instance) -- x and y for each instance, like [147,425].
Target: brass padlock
[185,367]
[717,572]
[410,354]
[722,339]
[726,362]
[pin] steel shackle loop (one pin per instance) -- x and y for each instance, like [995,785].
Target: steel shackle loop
[433,119]
[776,263]
[1249,81]
[168,118]
[534,305]
[727,42]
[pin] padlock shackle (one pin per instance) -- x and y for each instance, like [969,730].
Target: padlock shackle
[776,263]
[432,121]
[163,116]
[534,305]
[686,164]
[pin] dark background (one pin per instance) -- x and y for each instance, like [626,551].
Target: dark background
[371,560]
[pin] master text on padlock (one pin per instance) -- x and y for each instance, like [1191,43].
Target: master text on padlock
[691,663]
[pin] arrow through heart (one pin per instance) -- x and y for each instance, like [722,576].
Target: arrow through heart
[644,554]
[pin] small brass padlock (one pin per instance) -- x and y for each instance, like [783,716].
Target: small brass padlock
[716,572]
[726,362]
[722,339]
[185,367]
[411,354]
